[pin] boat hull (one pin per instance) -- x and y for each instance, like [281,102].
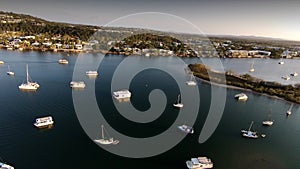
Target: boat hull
[178,105]
[267,123]
[32,88]
[191,83]
[106,141]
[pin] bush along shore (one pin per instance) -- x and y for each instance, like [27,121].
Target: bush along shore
[287,92]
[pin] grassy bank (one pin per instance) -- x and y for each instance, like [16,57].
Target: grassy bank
[287,92]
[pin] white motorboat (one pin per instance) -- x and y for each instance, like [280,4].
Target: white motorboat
[9,72]
[186,129]
[241,97]
[43,122]
[78,85]
[199,163]
[1,62]
[122,94]
[248,133]
[178,104]
[29,85]
[286,77]
[105,141]
[294,74]
[91,73]
[63,61]
[5,166]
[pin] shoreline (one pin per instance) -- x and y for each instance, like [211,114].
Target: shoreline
[244,89]
[246,82]
[108,52]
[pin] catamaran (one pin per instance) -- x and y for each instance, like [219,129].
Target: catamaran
[178,104]
[29,85]
[192,81]
[43,122]
[289,111]
[199,163]
[187,129]
[104,140]
[248,133]
[9,72]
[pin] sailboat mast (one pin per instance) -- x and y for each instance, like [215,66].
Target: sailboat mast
[102,131]
[291,107]
[27,76]
[250,126]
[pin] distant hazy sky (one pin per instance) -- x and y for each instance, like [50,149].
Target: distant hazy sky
[268,18]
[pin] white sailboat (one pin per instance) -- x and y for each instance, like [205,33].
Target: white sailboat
[268,122]
[248,133]
[192,81]
[178,104]
[105,141]
[289,111]
[29,85]
[281,62]
[252,67]
[9,72]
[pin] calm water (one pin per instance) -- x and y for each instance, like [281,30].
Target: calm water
[67,146]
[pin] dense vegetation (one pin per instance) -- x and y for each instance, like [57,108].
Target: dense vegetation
[287,92]
[33,26]
[153,41]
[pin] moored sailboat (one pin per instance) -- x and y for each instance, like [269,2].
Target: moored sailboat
[192,81]
[248,133]
[29,85]
[289,111]
[9,72]
[252,67]
[105,141]
[268,122]
[178,104]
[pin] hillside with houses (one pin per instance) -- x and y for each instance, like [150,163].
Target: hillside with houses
[25,32]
